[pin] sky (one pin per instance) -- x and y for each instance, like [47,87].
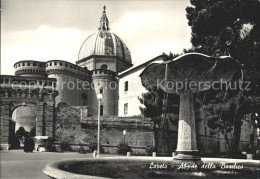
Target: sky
[55,29]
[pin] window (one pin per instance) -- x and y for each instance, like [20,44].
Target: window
[34,64]
[50,64]
[126,86]
[101,91]
[104,66]
[55,63]
[126,108]
[60,64]
[101,110]
[28,64]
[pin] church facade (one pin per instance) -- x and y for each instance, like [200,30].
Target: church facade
[104,66]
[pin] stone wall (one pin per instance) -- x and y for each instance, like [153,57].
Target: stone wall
[68,119]
[70,127]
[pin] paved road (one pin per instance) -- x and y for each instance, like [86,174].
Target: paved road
[18,164]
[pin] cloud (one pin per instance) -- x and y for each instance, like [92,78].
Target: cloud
[45,43]
[148,34]
[135,21]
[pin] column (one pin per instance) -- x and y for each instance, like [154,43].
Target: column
[187,144]
[49,116]
[39,119]
[5,117]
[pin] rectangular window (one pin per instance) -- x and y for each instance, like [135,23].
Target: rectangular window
[126,108]
[126,86]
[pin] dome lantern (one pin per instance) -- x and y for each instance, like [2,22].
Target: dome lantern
[104,21]
[104,47]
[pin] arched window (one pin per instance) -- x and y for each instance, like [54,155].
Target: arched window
[104,66]
[101,110]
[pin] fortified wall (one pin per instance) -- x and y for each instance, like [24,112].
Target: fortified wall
[73,125]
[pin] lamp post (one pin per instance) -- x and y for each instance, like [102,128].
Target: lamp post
[99,97]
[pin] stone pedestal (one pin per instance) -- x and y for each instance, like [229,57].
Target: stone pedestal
[5,146]
[40,141]
[187,144]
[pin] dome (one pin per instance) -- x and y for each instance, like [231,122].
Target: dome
[104,42]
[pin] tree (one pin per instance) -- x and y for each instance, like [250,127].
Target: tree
[32,132]
[162,114]
[230,27]
[21,132]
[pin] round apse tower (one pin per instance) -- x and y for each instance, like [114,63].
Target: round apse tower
[105,54]
[70,80]
[30,68]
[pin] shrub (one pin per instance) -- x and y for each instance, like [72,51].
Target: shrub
[123,148]
[93,146]
[82,150]
[249,149]
[65,146]
[257,153]
[32,132]
[15,143]
[149,149]
[29,144]
[21,133]
[49,145]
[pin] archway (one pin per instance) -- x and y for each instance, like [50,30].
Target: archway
[22,124]
[41,98]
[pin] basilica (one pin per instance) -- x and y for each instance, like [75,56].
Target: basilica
[104,66]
